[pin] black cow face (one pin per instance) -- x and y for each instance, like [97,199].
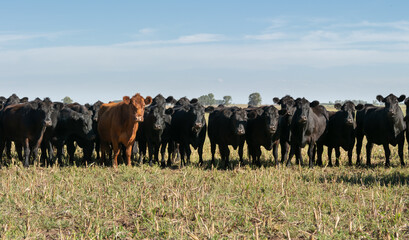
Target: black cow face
[303,109]
[349,110]
[287,105]
[197,115]
[391,103]
[82,124]
[238,119]
[46,107]
[270,116]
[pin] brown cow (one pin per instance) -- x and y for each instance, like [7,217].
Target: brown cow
[118,123]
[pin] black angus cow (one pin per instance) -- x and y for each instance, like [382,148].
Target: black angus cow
[341,131]
[227,126]
[287,104]
[262,130]
[151,130]
[74,125]
[188,127]
[46,143]
[381,126]
[94,108]
[308,126]
[25,124]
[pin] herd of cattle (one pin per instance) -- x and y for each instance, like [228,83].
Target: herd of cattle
[136,124]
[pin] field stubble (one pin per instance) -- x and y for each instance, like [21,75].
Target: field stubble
[204,202]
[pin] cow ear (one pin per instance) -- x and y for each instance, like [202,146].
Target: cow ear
[148,100]
[276,100]
[24,100]
[401,98]
[407,101]
[194,100]
[260,111]
[359,107]
[227,113]
[87,105]
[379,98]
[169,111]
[126,99]
[252,114]
[209,109]
[314,103]
[170,99]
[337,106]
[282,112]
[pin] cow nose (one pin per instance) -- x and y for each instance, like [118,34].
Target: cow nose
[273,129]
[391,113]
[198,125]
[48,123]
[139,118]
[241,131]
[350,121]
[157,127]
[303,119]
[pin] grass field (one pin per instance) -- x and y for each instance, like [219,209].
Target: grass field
[195,202]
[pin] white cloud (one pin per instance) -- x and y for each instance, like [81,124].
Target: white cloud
[146,31]
[188,39]
[268,36]
[11,37]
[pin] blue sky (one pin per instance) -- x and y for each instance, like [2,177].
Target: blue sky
[103,50]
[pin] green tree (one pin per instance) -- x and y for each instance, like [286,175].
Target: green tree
[226,100]
[207,99]
[254,99]
[67,100]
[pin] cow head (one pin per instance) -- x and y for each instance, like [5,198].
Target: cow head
[270,115]
[287,104]
[391,104]
[46,108]
[197,116]
[348,110]
[238,118]
[303,111]
[137,104]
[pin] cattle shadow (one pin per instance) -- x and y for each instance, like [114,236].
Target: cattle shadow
[396,178]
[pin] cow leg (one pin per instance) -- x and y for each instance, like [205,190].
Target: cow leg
[213,151]
[117,151]
[311,147]
[350,155]
[70,151]
[359,139]
[162,153]
[275,153]
[19,147]
[400,152]
[200,152]
[298,156]
[241,152]
[337,155]
[150,153]
[128,153]
[320,149]
[8,149]
[387,154]
[284,150]
[188,153]
[258,155]
[156,148]
[170,152]
[227,156]
[329,156]
[369,146]
[2,145]
[26,152]
[104,151]
[290,155]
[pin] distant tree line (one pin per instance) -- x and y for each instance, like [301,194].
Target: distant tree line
[210,100]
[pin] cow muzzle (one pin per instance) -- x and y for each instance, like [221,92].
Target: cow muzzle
[272,129]
[391,113]
[48,123]
[157,127]
[138,118]
[303,119]
[197,127]
[349,122]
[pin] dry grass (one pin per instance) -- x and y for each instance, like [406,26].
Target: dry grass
[207,203]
